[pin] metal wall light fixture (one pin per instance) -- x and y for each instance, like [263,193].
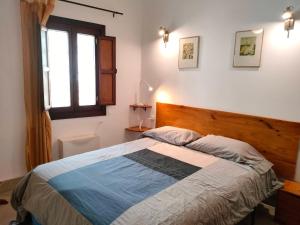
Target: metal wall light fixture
[289,20]
[164,33]
[150,88]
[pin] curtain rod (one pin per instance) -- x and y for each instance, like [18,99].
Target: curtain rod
[93,7]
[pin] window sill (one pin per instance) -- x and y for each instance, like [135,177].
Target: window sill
[58,114]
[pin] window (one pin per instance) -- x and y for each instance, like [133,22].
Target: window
[78,68]
[59,75]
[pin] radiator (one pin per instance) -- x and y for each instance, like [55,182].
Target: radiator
[77,145]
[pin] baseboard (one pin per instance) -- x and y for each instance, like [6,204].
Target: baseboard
[9,185]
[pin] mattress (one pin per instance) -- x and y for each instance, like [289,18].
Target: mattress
[143,182]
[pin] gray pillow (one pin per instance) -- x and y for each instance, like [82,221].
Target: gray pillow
[173,135]
[233,150]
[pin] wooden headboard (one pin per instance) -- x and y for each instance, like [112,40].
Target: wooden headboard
[277,140]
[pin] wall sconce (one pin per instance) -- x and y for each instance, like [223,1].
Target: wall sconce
[164,33]
[142,86]
[150,88]
[289,20]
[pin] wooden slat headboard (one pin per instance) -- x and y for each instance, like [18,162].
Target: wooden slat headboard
[277,140]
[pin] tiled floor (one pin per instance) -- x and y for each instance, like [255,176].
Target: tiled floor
[7,214]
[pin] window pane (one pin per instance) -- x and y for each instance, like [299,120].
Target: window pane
[58,53]
[86,69]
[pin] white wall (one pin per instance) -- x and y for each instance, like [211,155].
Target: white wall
[12,119]
[127,29]
[272,90]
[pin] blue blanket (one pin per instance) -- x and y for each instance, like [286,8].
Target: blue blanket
[104,190]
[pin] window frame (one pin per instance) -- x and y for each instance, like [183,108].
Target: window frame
[73,27]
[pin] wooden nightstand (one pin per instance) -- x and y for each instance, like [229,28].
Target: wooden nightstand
[288,204]
[137,129]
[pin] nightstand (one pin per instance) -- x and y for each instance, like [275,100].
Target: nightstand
[288,204]
[139,128]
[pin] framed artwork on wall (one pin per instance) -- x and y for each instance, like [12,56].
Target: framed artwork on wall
[248,48]
[188,52]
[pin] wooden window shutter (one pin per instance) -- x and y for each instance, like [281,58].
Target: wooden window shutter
[45,69]
[107,70]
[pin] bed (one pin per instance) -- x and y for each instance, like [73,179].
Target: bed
[149,181]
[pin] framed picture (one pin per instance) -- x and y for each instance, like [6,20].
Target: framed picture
[188,52]
[248,47]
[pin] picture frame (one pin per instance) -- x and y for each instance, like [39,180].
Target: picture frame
[188,52]
[248,48]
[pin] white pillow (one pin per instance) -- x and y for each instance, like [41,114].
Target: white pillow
[173,135]
[233,150]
